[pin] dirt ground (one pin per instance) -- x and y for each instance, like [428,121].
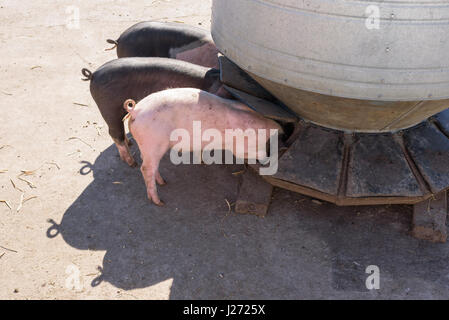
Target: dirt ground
[86,231]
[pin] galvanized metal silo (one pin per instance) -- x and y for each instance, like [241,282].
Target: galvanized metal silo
[369,66]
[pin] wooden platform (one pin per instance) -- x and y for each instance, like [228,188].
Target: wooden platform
[407,167]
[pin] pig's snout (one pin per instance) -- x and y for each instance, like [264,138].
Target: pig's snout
[129,105]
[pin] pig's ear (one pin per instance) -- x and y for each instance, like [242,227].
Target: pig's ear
[129,105]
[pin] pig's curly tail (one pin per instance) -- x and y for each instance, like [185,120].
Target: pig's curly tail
[114,42]
[87,74]
[129,105]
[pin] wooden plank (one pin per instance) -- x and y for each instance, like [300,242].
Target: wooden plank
[254,195]
[233,76]
[314,160]
[429,219]
[377,167]
[429,149]
[264,107]
[343,201]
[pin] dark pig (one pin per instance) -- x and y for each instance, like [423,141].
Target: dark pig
[136,78]
[167,40]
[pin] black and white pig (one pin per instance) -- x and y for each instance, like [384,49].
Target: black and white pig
[136,78]
[167,40]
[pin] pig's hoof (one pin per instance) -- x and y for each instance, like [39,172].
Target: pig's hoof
[162,183]
[160,204]
[132,163]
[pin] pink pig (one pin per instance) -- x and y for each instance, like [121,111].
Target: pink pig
[154,119]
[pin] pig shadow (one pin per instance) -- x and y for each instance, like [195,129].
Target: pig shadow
[300,250]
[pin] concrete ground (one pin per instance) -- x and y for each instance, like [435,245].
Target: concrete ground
[86,231]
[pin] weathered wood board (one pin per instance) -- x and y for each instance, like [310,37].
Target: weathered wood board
[254,195]
[377,167]
[429,148]
[314,160]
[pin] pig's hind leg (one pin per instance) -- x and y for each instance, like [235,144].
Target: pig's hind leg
[151,156]
[159,179]
[117,132]
[125,153]
[128,142]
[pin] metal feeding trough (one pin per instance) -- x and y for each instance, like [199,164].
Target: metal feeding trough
[364,86]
